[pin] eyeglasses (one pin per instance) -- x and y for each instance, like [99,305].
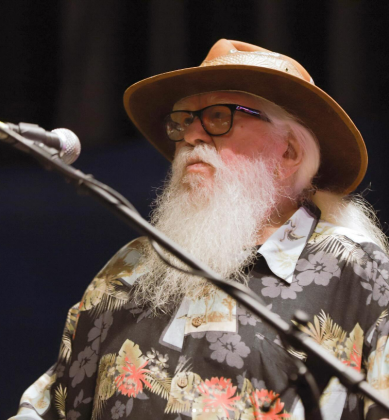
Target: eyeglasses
[216,119]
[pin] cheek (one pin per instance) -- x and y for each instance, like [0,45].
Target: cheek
[249,141]
[228,155]
[248,148]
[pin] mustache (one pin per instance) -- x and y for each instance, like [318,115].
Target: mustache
[201,153]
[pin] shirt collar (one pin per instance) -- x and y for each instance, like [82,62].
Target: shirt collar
[284,247]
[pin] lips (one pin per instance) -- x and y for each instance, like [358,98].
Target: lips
[195,161]
[197,165]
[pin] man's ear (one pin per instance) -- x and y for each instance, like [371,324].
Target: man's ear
[291,159]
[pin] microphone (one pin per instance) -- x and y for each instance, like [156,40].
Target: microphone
[61,139]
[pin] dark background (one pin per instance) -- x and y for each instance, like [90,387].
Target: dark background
[66,63]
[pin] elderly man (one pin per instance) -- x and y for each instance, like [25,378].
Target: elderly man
[259,153]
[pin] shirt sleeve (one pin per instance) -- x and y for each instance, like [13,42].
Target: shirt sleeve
[373,275]
[48,398]
[378,367]
[36,402]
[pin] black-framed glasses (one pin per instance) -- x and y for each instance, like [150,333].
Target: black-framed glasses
[216,119]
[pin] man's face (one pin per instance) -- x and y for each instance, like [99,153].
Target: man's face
[249,136]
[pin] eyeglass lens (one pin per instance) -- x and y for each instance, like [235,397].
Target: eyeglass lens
[216,120]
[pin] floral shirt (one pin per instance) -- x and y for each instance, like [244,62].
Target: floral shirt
[212,359]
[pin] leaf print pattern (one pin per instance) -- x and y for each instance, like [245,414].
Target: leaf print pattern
[60,395]
[344,248]
[105,294]
[227,370]
[131,364]
[105,385]
[377,365]
[107,291]
[124,262]
[131,371]
[286,260]
[347,348]
[70,327]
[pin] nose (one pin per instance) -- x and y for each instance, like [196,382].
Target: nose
[195,134]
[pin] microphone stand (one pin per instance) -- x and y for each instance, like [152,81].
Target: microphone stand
[350,378]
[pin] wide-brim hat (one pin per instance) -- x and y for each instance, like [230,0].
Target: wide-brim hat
[238,66]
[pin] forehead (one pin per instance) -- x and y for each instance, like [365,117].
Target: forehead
[195,102]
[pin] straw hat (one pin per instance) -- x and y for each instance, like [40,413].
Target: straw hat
[234,65]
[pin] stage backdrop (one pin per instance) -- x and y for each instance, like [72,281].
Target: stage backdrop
[66,63]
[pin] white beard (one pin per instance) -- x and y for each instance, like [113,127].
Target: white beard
[217,222]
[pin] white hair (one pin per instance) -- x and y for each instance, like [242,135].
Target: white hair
[351,211]
[219,225]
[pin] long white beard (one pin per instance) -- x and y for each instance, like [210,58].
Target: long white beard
[217,222]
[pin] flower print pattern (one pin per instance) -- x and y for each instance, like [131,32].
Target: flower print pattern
[157,363]
[86,364]
[117,410]
[99,332]
[131,364]
[73,415]
[276,287]
[381,257]
[371,272]
[131,381]
[217,396]
[381,291]
[79,398]
[228,347]
[182,392]
[259,398]
[378,361]
[256,383]
[320,268]
[59,370]
[246,317]
[155,380]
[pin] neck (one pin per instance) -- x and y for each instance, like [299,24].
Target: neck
[282,214]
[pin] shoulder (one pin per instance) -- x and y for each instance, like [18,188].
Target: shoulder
[125,261]
[357,257]
[110,289]
[338,239]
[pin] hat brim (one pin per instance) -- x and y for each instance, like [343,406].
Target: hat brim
[343,151]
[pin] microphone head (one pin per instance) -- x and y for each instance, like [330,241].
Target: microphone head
[70,145]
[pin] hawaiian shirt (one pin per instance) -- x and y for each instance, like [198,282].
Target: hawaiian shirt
[212,359]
